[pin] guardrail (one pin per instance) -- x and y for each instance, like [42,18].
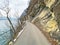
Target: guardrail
[5,37]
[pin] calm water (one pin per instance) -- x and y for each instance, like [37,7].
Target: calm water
[5,34]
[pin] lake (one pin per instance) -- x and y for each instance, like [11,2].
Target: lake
[5,33]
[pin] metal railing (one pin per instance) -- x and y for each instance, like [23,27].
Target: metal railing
[6,37]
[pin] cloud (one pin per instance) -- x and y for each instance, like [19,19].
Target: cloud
[19,5]
[15,6]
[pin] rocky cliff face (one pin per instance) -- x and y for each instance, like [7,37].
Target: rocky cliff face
[45,14]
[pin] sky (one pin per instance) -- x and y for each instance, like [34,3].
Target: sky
[15,6]
[19,5]
[16,9]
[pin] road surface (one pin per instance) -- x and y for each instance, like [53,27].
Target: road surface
[31,36]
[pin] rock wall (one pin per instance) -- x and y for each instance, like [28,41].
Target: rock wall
[45,13]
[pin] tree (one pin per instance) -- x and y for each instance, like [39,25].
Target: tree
[6,9]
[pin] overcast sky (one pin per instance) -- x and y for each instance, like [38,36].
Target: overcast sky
[16,6]
[19,5]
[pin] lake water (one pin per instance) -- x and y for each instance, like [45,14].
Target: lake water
[5,33]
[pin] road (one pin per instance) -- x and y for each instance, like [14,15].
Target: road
[31,36]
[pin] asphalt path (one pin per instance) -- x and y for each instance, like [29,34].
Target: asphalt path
[31,35]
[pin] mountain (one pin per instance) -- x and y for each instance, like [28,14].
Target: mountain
[4,18]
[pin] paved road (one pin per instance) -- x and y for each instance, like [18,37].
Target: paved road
[31,36]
